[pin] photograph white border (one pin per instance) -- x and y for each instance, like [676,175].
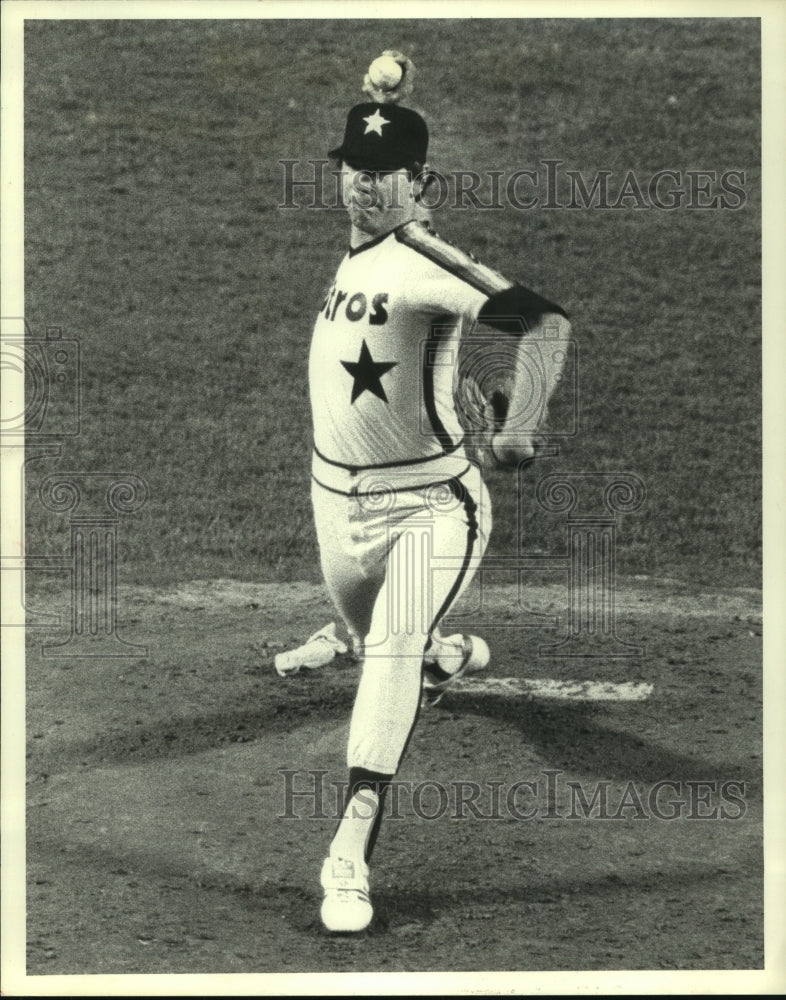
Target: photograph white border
[12,913]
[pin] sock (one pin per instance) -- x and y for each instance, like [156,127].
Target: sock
[363,806]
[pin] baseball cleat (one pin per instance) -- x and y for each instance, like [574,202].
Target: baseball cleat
[437,680]
[346,907]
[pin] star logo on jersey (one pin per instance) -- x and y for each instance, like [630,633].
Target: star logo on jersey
[366,373]
[375,123]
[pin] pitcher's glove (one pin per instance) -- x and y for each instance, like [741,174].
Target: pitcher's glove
[491,445]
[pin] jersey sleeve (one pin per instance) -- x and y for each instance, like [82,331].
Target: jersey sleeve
[516,310]
[448,280]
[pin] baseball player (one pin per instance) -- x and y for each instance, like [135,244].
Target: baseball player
[402,514]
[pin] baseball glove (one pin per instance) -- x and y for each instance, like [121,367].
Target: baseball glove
[487,442]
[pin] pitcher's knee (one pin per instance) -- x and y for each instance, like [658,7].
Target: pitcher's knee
[396,646]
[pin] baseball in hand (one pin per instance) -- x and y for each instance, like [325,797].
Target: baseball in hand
[385,73]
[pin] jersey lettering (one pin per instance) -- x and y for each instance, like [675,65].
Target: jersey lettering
[356,306]
[380,314]
[339,299]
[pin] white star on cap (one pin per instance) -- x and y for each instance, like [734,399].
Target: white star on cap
[375,122]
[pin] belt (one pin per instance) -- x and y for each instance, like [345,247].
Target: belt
[373,479]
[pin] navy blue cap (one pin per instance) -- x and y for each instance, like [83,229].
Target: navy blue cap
[383,137]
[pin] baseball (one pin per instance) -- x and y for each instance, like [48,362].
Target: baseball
[385,73]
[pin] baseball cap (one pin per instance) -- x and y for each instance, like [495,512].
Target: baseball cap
[383,137]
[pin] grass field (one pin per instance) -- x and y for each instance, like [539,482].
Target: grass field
[153,233]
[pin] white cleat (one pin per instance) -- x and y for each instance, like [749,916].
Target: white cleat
[346,907]
[436,680]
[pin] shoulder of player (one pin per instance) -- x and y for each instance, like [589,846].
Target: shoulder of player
[419,236]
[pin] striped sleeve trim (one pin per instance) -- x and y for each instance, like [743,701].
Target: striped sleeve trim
[418,238]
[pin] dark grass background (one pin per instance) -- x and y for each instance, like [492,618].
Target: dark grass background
[153,234]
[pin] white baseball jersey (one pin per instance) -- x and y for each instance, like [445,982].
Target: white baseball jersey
[384,352]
